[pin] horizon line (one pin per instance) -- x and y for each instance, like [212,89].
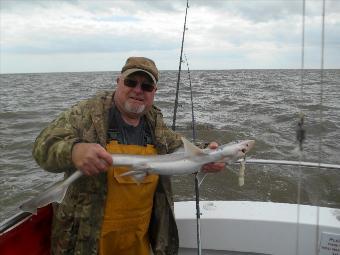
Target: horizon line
[166,70]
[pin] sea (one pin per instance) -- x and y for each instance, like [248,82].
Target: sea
[229,105]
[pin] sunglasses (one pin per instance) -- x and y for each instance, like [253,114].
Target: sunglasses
[144,86]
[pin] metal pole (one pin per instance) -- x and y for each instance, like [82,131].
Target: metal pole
[290,163]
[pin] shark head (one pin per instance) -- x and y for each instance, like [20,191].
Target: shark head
[245,147]
[237,150]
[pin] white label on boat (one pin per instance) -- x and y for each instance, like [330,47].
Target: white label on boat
[329,244]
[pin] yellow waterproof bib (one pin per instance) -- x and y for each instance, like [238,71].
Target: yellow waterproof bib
[128,207]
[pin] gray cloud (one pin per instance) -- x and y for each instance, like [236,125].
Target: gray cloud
[90,44]
[244,31]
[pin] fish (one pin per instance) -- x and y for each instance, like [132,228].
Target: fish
[180,162]
[190,161]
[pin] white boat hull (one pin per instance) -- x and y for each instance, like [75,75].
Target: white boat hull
[243,227]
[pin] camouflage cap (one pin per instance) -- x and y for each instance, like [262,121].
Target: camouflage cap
[141,64]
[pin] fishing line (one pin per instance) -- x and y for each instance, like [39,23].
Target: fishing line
[320,111]
[300,132]
[194,135]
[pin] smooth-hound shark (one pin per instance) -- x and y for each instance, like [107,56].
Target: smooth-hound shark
[182,162]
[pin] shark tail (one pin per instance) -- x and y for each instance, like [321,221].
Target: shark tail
[138,173]
[55,194]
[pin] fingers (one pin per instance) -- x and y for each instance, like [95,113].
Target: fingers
[213,145]
[105,156]
[213,167]
[91,158]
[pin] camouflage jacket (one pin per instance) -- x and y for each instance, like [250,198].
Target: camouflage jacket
[78,219]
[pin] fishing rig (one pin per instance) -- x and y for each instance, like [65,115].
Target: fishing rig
[300,128]
[197,181]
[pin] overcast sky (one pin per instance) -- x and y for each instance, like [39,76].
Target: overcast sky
[75,35]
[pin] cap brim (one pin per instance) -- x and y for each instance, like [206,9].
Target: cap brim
[133,70]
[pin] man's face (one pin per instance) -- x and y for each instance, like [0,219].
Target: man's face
[134,101]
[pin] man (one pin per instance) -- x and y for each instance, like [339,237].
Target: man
[102,212]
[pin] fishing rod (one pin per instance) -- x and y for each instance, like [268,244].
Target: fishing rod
[197,181]
[179,69]
[192,103]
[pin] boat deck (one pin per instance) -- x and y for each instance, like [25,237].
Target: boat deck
[249,228]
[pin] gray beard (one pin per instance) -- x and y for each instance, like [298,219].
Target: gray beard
[134,109]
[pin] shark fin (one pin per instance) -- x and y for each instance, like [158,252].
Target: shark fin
[138,178]
[136,175]
[131,173]
[191,149]
[200,177]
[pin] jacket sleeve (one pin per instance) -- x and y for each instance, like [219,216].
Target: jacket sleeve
[52,148]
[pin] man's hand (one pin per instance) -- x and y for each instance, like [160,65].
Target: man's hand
[91,158]
[215,166]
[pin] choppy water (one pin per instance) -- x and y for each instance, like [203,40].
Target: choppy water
[229,105]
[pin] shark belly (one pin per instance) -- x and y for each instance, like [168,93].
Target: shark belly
[184,166]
